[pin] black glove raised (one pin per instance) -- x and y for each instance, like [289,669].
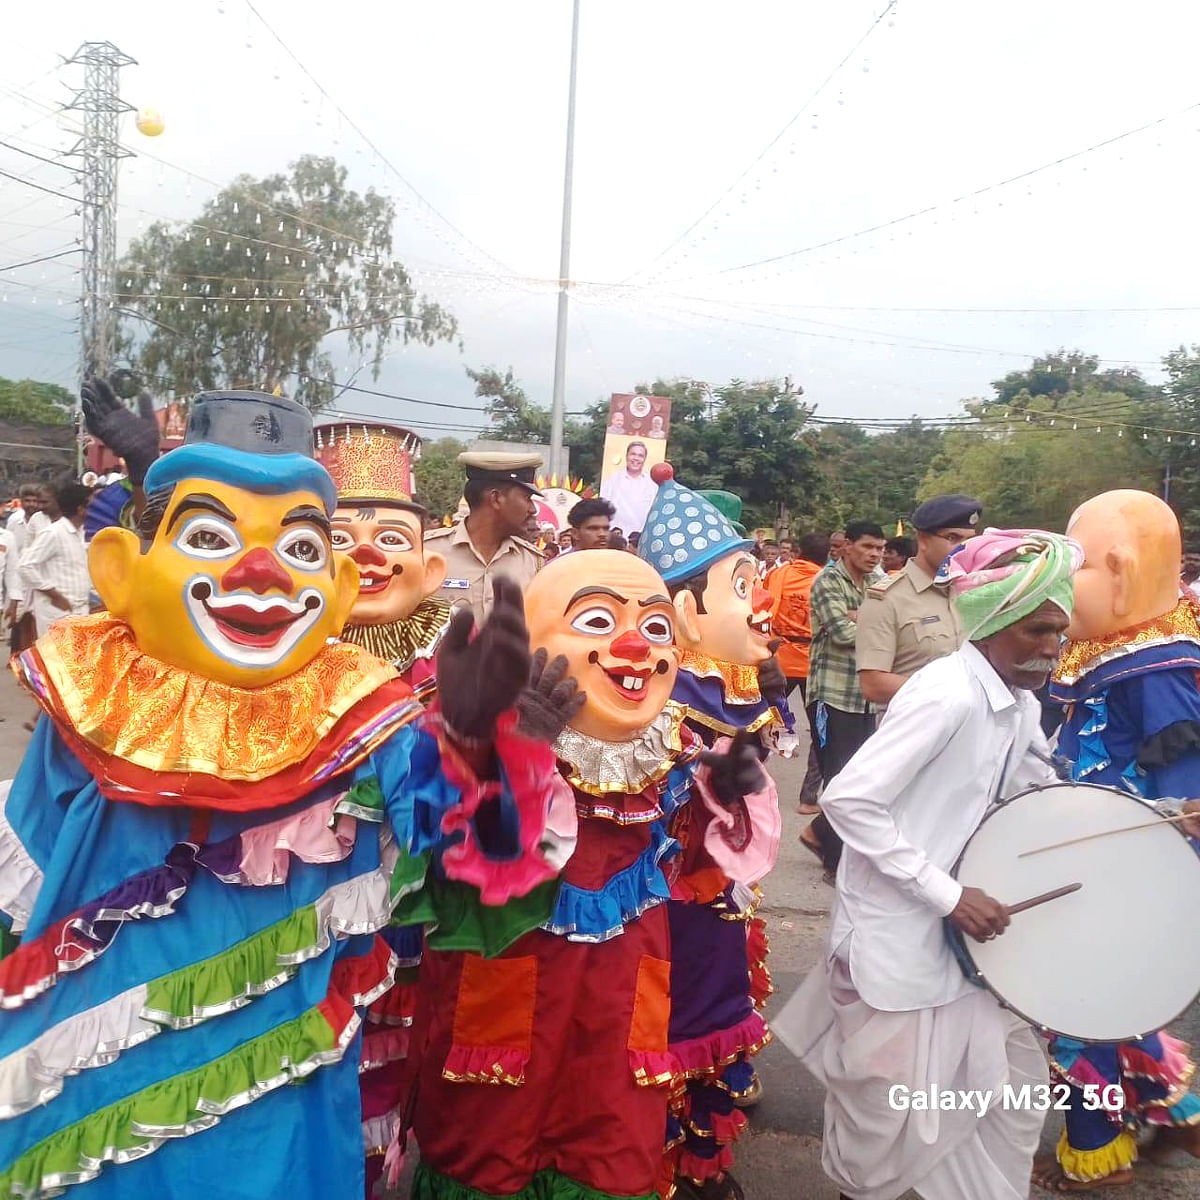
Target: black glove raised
[550,700]
[772,682]
[131,436]
[737,772]
[480,679]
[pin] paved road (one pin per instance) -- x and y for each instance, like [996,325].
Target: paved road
[781,1158]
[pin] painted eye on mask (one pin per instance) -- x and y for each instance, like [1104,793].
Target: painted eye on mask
[207,537]
[595,621]
[303,548]
[658,629]
[741,587]
[392,541]
[341,539]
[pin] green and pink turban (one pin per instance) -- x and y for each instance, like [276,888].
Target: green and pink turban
[1002,575]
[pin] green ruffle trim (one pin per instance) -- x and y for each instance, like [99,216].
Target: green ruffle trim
[456,919]
[233,977]
[364,801]
[177,1107]
[545,1185]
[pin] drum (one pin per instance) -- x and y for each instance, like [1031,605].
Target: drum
[1115,960]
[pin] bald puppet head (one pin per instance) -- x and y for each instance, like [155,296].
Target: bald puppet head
[1131,570]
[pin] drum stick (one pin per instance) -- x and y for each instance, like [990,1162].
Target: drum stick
[1157,823]
[1034,901]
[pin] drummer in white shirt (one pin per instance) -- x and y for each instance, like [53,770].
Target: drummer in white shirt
[890,1005]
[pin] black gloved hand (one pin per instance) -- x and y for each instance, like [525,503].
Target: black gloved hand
[772,682]
[131,436]
[737,772]
[480,679]
[550,700]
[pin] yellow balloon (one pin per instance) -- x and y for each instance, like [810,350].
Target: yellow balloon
[150,122]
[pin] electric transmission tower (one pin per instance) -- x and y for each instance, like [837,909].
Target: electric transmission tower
[100,102]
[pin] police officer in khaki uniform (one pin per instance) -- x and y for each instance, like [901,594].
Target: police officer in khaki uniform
[907,620]
[488,542]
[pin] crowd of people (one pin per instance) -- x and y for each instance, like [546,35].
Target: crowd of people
[468,827]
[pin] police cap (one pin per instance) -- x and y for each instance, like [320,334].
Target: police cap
[947,512]
[499,470]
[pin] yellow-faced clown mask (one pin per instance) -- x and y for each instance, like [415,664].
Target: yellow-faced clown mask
[234,577]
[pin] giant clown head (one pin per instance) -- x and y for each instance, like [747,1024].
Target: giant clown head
[1130,574]
[610,615]
[234,578]
[691,538]
[376,522]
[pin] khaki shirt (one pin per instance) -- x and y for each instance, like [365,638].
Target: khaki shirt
[468,581]
[905,622]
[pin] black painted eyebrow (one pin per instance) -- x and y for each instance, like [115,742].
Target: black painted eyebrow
[597,590]
[653,600]
[308,514]
[204,502]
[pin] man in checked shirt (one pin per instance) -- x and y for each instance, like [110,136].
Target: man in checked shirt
[840,715]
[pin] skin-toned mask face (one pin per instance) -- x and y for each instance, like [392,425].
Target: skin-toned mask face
[610,615]
[735,624]
[395,571]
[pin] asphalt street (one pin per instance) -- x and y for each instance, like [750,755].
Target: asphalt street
[781,1158]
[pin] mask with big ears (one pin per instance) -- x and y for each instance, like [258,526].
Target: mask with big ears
[1130,574]
[730,619]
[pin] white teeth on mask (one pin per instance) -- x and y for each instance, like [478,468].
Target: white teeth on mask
[633,683]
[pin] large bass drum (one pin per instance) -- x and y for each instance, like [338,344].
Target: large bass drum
[1115,960]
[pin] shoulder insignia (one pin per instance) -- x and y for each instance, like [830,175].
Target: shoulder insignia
[877,590]
[437,533]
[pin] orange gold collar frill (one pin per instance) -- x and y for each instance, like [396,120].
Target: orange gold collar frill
[740,682]
[1078,658]
[111,700]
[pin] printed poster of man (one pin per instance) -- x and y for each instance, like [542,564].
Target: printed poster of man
[635,441]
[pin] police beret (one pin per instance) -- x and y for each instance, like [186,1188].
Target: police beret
[947,512]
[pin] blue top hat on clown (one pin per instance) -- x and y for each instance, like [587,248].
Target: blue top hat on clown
[694,540]
[230,789]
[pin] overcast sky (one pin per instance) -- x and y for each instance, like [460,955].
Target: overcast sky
[677,98]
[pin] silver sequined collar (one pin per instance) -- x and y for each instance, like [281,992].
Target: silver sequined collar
[600,768]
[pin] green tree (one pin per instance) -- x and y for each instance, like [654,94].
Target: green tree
[247,293]
[1063,371]
[440,476]
[1034,462]
[1182,393]
[28,402]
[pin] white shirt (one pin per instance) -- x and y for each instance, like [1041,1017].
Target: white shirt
[954,739]
[632,496]
[57,560]
[14,584]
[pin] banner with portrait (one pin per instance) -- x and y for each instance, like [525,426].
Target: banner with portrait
[635,441]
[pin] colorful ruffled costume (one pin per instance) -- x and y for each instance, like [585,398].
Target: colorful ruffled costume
[1133,722]
[545,1068]
[245,846]
[719,975]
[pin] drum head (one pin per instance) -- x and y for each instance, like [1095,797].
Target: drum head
[1111,962]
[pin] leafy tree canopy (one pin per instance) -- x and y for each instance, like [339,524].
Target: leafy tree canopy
[28,402]
[440,476]
[248,293]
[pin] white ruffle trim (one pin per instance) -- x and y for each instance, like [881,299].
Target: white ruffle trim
[20,877]
[34,1074]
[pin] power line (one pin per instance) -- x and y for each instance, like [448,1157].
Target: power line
[41,188]
[374,148]
[44,258]
[774,141]
[31,154]
[1065,158]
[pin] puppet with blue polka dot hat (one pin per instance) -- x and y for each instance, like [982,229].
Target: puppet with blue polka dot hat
[731,688]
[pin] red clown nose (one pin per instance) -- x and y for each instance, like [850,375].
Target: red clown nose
[367,555]
[760,599]
[630,646]
[258,571]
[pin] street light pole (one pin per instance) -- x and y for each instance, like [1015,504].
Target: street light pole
[558,404]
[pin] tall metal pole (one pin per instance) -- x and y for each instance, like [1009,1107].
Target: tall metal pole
[558,404]
[100,149]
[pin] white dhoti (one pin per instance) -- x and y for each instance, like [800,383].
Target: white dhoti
[875,1149]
